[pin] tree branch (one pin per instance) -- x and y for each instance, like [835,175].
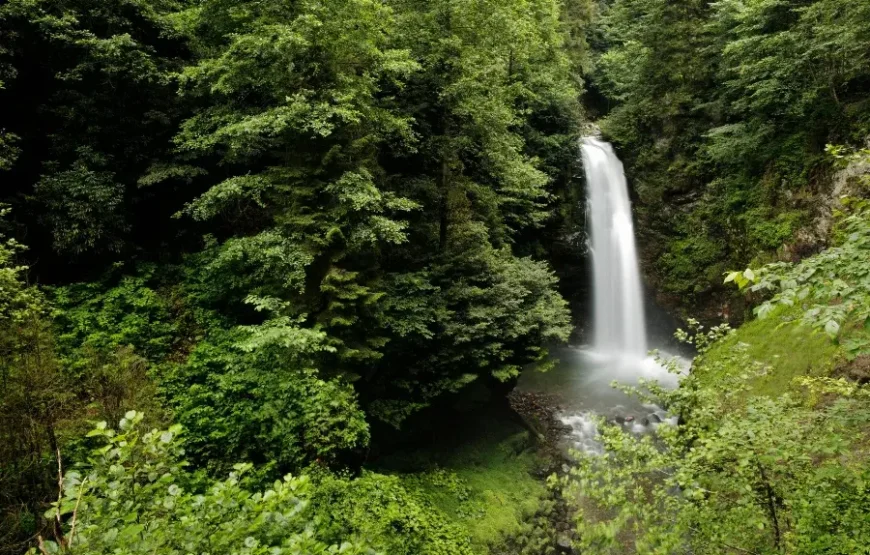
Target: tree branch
[72,530]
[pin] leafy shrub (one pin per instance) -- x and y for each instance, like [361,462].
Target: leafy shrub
[380,510]
[769,231]
[95,321]
[254,395]
[683,259]
[43,405]
[832,288]
[135,498]
[18,301]
[741,474]
[35,397]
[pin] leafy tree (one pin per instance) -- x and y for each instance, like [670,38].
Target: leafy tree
[94,107]
[362,232]
[723,110]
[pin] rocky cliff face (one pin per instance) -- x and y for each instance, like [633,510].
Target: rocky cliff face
[711,302]
[849,181]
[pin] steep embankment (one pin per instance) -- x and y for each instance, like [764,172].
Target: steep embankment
[813,316]
[779,343]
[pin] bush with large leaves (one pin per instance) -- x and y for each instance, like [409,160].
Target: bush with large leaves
[135,497]
[743,473]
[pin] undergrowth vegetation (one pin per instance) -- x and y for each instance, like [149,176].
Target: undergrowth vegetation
[481,478]
[279,246]
[771,450]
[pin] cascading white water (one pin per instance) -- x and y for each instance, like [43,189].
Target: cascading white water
[619,326]
[583,379]
[619,353]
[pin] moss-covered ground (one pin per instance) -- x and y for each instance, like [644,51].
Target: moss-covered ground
[780,342]
[482,479]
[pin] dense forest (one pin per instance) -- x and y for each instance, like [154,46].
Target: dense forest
[724,111]
[271,270]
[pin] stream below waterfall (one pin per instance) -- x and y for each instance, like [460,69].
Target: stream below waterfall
[582,384]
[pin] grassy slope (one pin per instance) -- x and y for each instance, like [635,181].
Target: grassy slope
[781,342]
[483,481]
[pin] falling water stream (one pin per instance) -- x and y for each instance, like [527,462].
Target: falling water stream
[620,331]
[583,379]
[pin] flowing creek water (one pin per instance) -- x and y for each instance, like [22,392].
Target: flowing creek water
[582,380]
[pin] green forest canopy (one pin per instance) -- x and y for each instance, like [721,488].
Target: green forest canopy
[280,231]
[276,224]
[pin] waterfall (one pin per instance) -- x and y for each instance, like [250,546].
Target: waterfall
[619,353]
[618,324]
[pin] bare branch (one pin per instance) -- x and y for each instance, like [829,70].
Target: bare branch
[41,544]
[72,530]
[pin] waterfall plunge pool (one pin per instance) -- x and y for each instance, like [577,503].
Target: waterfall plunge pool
[582,382]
